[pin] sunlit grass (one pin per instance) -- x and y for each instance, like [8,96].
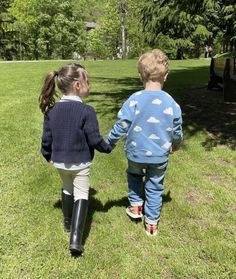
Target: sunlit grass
[197,231]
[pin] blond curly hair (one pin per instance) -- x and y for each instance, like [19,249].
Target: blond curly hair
[153,65]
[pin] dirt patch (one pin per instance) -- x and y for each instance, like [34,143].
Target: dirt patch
[224,162]
[215,178]
[192,197]
[233,208]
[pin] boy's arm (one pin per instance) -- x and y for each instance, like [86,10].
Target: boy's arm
[121,127]
[46,142]
[177,129]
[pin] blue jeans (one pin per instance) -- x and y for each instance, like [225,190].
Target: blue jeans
[149,190]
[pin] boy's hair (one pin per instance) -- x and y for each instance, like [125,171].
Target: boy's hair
[63,79]
[153,65]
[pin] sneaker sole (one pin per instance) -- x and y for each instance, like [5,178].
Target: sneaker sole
[132,215]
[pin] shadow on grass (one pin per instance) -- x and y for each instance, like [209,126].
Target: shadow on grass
[203,110]
[95,205]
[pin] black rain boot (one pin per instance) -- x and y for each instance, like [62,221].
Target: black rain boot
[77,227]
[67,209]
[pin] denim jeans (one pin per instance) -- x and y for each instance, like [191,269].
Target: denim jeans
[145,182]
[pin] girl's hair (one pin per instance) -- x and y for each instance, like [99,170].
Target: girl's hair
[63,79]
[153,65]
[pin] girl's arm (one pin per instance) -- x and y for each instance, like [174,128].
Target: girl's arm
[92,134]
[46,143]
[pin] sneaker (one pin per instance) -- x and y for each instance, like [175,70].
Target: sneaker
[151,229]
[134,212]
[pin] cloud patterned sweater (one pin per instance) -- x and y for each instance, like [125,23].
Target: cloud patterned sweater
[152,122]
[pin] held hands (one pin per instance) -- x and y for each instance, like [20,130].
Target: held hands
[173,149]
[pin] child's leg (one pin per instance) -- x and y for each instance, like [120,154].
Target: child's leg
[67,197]
[135,174]
[81,192]
[81,184]
[153,192]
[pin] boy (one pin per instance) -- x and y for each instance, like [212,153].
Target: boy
[152,122]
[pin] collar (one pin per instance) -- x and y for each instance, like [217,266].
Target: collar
[65,98]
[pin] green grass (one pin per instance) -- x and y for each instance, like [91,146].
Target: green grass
[197,231]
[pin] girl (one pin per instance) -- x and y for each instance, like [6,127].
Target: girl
[70,135]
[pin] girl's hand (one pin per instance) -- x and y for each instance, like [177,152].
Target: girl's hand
[50,162]
[173,149]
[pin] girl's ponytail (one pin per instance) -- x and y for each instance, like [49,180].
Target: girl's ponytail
[48,92]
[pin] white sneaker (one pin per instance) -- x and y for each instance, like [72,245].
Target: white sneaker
[151,229]
[134,212]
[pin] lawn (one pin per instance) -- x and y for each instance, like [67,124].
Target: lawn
[197,230]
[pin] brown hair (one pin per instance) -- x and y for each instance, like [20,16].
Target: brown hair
[153,65]
[63,79]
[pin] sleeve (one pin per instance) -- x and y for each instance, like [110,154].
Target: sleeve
[124,121]
[92,134]
[177,126]
[46,142]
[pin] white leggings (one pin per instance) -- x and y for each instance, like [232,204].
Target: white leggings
[75,182]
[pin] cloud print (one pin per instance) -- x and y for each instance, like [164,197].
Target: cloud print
[133,143]
[137,112]
[148,153]
[153,136]
[120,113]
[168,129]
[137,129]
[168,111]
[153,120]
[156,102]
[132,103]
[138,93]
[167,145]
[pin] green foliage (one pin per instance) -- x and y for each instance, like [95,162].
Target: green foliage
[135,38]
[32,29]
[103,42]
[96,44]
[197,21]
[8,41]
[92,9]
[52,29]
[110,29]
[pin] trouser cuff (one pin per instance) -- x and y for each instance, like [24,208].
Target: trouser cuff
[151,222]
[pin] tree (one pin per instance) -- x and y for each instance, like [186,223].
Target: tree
[50,29]
[108,35]
[198,22]
[110,32]
[8,41]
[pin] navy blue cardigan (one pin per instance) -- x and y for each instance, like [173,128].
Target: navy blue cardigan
[71,133]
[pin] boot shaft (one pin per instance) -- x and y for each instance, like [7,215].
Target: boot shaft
[77,226]
[67,209]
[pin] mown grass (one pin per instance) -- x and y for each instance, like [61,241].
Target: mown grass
[197,231]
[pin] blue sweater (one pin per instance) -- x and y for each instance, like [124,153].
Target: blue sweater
[71,133]
[152,122]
